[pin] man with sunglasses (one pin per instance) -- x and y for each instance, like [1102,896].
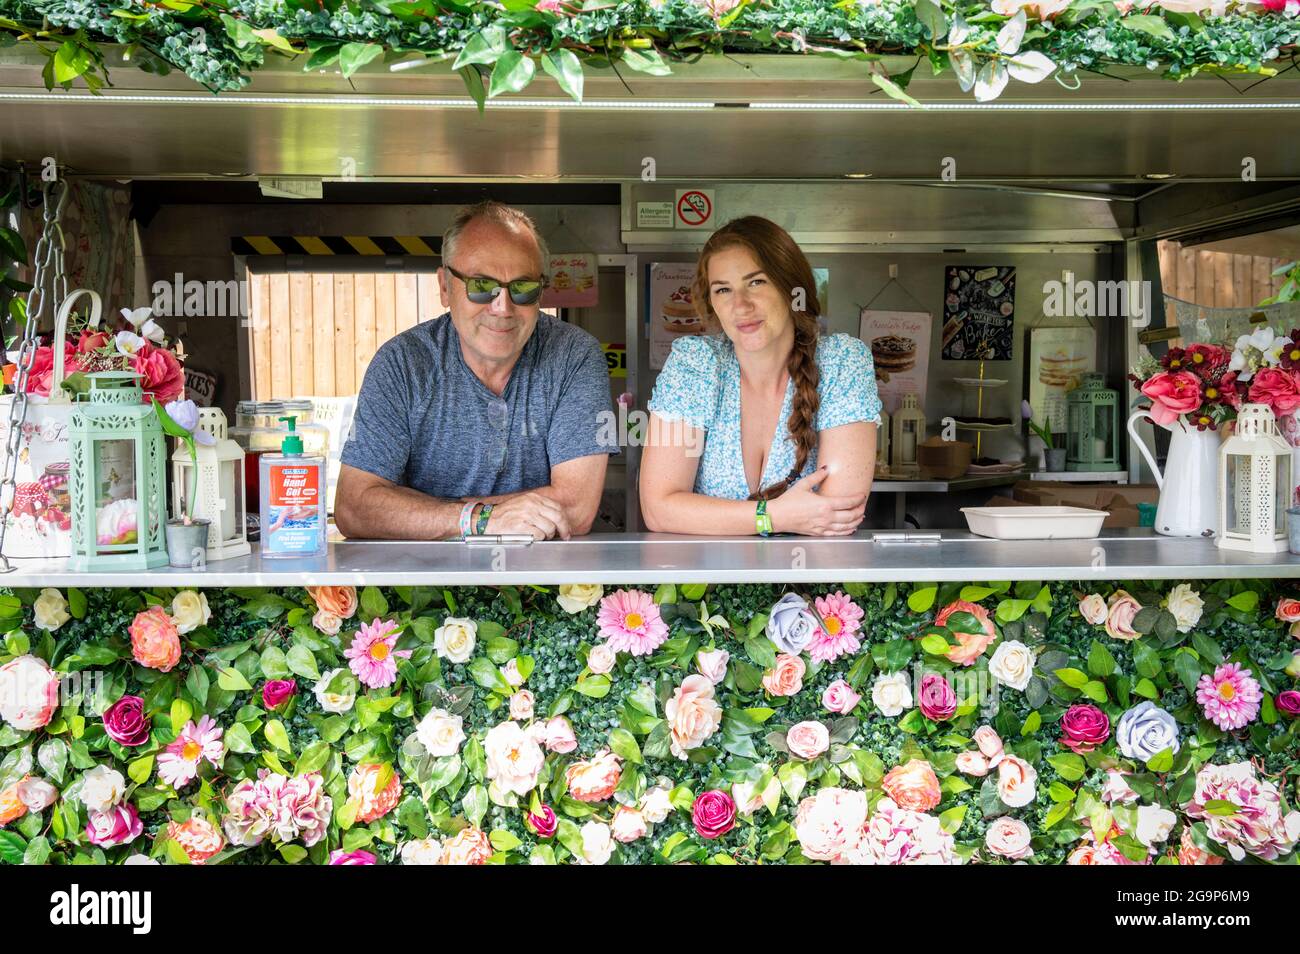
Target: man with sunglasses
[484,420]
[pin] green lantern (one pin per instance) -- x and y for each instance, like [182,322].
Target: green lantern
[1092,425]
[118,461]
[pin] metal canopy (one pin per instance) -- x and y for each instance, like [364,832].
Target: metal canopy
[768,121]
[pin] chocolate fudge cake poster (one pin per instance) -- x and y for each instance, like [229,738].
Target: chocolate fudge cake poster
[573,281]
[900,351]
[979,304]
[672,309]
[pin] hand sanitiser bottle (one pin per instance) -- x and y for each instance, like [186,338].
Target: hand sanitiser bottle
[293,500]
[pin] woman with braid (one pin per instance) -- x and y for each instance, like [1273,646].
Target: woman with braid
[786,418]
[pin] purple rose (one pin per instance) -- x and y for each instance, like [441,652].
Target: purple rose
[543,822]
[276,692]
[125,723]
[936,699]
[358,857]
[1288,702]
[1084,727]
[114,827]
[714,813]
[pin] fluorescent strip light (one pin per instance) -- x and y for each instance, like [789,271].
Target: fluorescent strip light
[1136,107]
[235,99]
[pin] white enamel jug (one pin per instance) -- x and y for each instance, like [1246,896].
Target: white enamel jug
[1189,487]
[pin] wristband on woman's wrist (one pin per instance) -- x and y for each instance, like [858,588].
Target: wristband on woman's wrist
[762,522]
[466,518]
[480,527]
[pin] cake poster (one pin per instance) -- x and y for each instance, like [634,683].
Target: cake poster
[573,281]
[978,307]
[672,309]
[900,350]
[1058,359]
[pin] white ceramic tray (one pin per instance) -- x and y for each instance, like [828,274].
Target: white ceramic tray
[1035,523]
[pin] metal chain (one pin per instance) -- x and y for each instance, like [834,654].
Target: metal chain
[47,262]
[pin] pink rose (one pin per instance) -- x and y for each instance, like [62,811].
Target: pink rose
[1009,837]
[521,705]
[559,735]
[1116,789]
[155,641]
[972,763]
[162,374]
[543,822]
[1172,394]
[40,376]
[1093,608]
[117,826]
[1016,781]
[1119,618]
[714,813]
[988,741]
[124,722]
[785,678]
[1083,728]
[808,740]
[627,825]
[913,786]
[276,692]
[937,701]
[601,659]
[359,857]
[1278,388]
[29,693]
[840,697]
[971,645]
[713,664]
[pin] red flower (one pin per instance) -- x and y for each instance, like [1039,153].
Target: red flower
[714,813]
[1233,390]
[1291,351]
[1172,393]
[1203,420]
[91,341]
[40,376]
[1175,359]
[163,377]
[1084,727]
[1207,360]
[1279,389]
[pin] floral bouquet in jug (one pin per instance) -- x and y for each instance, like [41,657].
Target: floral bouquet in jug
[1206,384]
[138,344]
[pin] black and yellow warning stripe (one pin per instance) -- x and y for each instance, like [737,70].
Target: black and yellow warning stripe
[423,245]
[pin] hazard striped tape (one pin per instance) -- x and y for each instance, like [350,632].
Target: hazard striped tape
[336,245]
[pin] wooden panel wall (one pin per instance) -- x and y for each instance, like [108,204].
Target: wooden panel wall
[1218,279]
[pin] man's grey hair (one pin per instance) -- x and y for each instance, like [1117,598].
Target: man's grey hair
[496,212]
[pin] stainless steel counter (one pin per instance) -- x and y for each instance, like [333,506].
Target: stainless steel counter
[659,558]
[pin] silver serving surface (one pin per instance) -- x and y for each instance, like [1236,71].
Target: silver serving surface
[1123,554]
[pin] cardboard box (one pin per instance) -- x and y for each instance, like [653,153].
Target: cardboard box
[1120,500]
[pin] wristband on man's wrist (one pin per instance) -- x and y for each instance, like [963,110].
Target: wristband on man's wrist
[481,526]
[466,518]
[762,521]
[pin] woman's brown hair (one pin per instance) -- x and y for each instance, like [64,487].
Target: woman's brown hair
[785,264]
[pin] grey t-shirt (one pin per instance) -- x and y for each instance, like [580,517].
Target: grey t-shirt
[425,420]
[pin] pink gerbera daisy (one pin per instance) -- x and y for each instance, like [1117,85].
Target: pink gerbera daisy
[841,620]
[1230,697]
[373,656]
[630,622]
[179,764]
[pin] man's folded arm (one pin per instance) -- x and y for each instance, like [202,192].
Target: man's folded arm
[366,506]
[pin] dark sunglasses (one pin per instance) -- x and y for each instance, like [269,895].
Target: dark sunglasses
[481,291]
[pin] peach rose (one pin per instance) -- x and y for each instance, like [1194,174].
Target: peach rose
[601,659]
[1119,617]
[12,807]
[627,825]
[469,846]
[198,838]
[521,705]
[596,780]
[155,641]
[1009,837]
[339,600]
[1189,854]
[989,742]
[361,788]
[693,714]
[972,763]
[1288,610]
[1016,781]
[808,740]
[1093,608]
[913,786]
[970,645]
[327,623]
[785,678]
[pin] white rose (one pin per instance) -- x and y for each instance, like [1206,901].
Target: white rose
[713,663]
[340,701]
[51,610]
[597,843]
[190,610]
[327,622]
[455,639]
[1186,605]
[892,693]
[655,805]
[1012,664]
[29,692]
[441,733]
[424,851]
[521,705]
[139,859]
[601,659]
[1116,789]
[627,825]
[513,758]
[1154,824]
[513,676]
[576,597]
[102,788]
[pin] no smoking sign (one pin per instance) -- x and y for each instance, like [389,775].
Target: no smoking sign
[693,209]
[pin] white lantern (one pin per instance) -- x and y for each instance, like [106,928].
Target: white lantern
[908,432]
[219,490]
[1254,484]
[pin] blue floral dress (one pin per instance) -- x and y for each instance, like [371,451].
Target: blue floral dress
[700,385]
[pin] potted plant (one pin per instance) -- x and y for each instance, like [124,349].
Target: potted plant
[185,535]
[1054,456]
